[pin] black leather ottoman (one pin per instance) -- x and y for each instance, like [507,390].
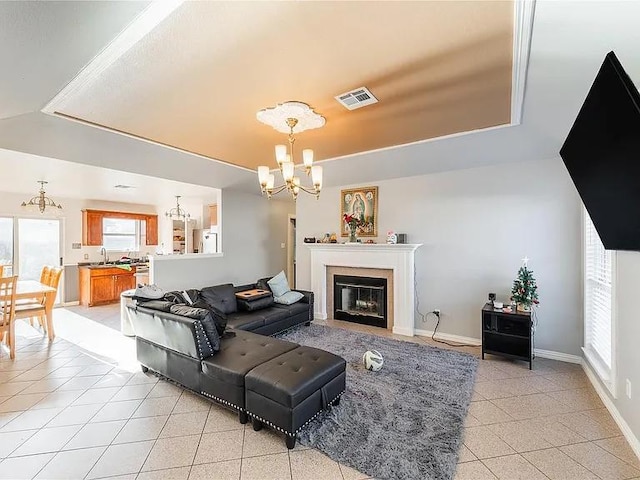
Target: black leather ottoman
[224,373]
[291,389]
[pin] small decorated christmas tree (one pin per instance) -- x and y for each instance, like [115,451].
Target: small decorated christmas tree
[525,290]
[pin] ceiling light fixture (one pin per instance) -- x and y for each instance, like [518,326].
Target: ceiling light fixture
[290,118]
[177,213]
[40,202]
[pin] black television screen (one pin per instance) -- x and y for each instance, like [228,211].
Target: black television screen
[602,155]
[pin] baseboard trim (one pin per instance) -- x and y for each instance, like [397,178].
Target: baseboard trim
[622,424]
[562,357]
[407,332]
[475,342]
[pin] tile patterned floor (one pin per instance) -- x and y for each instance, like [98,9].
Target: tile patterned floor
[80,408]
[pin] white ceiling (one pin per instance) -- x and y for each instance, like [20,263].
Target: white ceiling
[570,39]
[43,46]
[74,180]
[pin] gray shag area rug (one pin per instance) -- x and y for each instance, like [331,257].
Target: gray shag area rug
[405,421]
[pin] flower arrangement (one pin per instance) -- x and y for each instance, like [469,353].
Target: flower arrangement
[353,221]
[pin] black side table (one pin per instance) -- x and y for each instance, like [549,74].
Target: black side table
[507,334]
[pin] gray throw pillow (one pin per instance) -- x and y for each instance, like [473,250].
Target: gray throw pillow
[279,285]
[288,298]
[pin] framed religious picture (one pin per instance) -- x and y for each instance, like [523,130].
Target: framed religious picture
[361,202]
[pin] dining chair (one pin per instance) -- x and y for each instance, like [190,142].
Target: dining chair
[45,274]
[7,312]
[36,309]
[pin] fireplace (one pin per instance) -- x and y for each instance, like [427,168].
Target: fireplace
[393,262]
[360,300]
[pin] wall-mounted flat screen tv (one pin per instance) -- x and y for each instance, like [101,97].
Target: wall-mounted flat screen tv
[602,155]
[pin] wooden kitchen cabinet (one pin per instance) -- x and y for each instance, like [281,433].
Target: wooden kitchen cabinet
[92,225]
[102,285]
[92,228]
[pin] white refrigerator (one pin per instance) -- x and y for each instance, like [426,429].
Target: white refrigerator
[205,241]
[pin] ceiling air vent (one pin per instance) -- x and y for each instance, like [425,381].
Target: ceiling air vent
[360,97]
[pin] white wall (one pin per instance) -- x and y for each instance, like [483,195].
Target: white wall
[253,230]
[72,221]
[476,225]
[626,338]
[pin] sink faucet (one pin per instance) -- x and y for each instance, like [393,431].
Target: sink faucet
[103,251]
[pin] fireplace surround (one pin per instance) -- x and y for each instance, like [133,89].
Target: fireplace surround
[397,260]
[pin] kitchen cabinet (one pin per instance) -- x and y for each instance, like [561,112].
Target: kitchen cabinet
[101,285]
[92,228]
[92,225]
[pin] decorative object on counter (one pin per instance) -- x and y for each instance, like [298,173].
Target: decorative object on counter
[361,203]
[291,117]
[326,238]
[41,202]
[525,290]
[396,238]
[370,241]
[353,223]
[177,213]
[309,240]
[333,238]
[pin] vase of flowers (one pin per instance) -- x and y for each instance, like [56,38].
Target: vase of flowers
[353,224]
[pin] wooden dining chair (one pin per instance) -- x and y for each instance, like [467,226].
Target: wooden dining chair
[36,309]
[45,274]
[7,312]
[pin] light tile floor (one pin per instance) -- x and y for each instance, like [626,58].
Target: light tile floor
[80,408]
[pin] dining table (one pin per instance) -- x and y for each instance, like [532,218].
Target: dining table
[34,290]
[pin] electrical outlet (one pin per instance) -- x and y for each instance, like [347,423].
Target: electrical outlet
[86,256]
[283,245]
[628,388]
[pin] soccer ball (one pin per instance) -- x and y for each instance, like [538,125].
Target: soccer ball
[372,360]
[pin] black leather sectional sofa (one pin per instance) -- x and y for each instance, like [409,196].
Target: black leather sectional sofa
[275,382]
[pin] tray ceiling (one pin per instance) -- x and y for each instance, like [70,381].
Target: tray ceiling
[197,80]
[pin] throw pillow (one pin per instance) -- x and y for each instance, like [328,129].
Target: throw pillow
[288,298]
[219,318]
[263,285]
[204,317]
[279,284]
[222,297]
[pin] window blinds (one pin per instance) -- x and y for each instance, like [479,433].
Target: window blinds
[598,273]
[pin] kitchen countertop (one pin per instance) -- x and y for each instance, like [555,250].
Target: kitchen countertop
[93,266]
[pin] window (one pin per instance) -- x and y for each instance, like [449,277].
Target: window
[598,294]
[123,234]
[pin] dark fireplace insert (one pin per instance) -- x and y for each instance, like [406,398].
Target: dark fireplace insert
[360,300]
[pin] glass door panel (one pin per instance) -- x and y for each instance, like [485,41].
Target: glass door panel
[6,245]
[38,245]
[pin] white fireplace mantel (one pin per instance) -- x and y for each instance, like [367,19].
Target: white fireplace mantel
[399,258]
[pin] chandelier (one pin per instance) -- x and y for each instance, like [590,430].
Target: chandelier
[40,202]
[177,213]
[291,118]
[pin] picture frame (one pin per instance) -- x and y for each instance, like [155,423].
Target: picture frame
[362,202]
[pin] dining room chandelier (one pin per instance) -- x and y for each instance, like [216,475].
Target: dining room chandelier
[41,202]
[177,213]
[291,118]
